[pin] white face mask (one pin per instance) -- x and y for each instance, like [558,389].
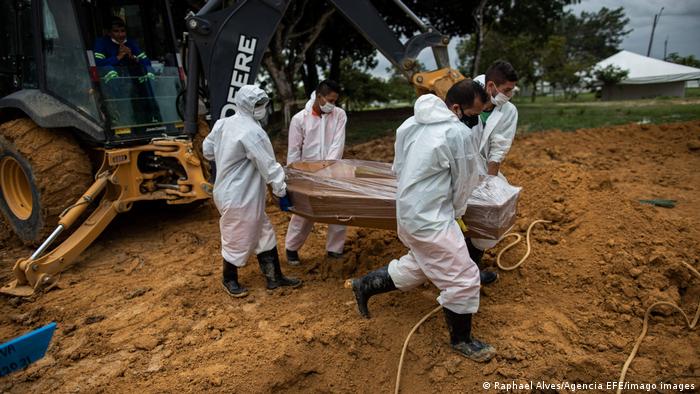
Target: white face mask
[260,112]
[327,107]
[500,99]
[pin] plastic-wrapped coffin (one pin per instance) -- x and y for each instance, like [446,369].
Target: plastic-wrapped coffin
[362,193]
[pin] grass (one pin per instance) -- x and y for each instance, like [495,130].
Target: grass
[580,98]
[368,125]
[572,116]
[546,114]
[692,92]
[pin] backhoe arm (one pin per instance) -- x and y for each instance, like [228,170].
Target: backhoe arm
[120,182]
[229,45]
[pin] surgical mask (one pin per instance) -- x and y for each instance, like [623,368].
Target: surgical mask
[470,121]
[260,112]
[500,99]
[327,107]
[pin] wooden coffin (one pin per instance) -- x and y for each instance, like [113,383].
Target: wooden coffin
[362,193]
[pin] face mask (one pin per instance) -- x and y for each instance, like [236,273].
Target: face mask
[260,112]
[500,98]
[327,107]
[470,121]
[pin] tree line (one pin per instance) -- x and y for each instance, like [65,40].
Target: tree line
[541,38]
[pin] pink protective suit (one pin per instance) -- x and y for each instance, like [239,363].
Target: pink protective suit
[315,137]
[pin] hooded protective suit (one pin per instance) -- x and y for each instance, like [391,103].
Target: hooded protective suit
[315,137]
[245,163]
[495,138]
[436,169]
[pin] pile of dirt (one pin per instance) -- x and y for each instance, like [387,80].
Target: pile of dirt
[143,310]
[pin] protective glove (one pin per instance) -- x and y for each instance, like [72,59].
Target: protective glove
[148,77]
[285,203]
[462,225]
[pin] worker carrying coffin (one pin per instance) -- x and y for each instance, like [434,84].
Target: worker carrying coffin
[436,168]
[245,163]
[316,133]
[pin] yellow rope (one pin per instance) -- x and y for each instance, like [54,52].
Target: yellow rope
[405,343]
[645,326]
[518,239]
[405,346]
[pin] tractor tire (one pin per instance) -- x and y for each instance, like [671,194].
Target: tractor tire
[42,172]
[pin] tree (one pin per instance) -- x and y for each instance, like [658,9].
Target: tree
[610,74]
[542,40]
[502,21]
[297,33]
[561,67]
[359,86]
[340,40]
[689,60]
[521,51]
[591,37]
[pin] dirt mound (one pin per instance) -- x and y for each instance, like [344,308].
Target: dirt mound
[144,309]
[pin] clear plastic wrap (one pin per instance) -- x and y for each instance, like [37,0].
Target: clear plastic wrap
[362,193]
[491,208]
[351,192]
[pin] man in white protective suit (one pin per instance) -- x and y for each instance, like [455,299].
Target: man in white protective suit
[316,133]
[436,170]
[245,164]
[493,136]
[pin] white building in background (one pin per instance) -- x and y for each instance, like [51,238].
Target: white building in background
[648,77]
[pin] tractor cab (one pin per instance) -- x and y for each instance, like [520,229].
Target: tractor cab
[112,62]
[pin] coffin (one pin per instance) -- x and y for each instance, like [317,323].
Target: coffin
[362,193]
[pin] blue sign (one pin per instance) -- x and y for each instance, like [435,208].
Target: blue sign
[20,352]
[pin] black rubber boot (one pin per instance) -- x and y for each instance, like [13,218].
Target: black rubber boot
[460,327]
[335,255]
[270,267]
[486,277]
[376,282]
[293,257]
[230,281]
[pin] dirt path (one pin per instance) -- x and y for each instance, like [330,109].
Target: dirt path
[144,311]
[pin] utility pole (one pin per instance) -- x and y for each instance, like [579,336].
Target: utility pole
[665,47]
[653,27]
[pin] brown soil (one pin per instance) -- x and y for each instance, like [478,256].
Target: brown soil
[144,311]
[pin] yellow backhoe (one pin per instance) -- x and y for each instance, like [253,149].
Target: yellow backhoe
[66,110]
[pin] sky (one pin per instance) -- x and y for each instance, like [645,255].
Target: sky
[679,22]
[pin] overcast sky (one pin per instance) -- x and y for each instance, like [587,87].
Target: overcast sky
[680,23]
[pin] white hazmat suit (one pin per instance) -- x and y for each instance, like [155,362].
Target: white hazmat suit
[496,136]
[436,170]
[315,137]
[493,141]
[245,163]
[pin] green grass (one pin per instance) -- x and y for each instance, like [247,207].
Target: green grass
[572,116]
[364,126]
[546,114]
[692,92]
[580,98]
